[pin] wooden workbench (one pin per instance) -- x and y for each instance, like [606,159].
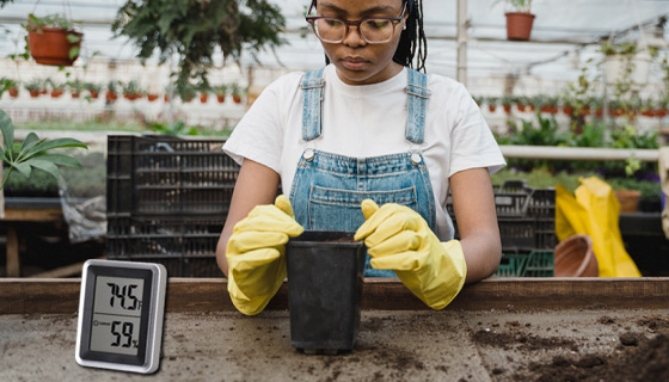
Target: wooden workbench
[499,330]
[26,210]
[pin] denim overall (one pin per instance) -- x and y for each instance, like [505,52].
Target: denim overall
[328,189]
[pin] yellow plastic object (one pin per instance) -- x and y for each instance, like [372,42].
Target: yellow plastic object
[399,239]
[594,211]
[256,255]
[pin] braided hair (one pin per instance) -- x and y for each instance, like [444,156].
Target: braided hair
[412,39]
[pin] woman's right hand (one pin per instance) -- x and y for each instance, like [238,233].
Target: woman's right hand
[256,254]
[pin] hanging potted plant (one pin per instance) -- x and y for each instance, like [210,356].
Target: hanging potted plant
[52,40]
[195,30]
[519,20]
[624,65]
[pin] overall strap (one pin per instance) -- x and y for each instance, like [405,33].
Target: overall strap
[418,97]
[312,84]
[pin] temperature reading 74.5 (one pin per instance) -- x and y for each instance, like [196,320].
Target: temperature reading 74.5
[124,295]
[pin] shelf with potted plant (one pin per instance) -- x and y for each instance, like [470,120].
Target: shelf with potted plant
[188,93]
[519,19]
[53,39]
[204,90]
[34,87]
[491,103]
[76,87]
[93,89]
[132,90]
[9,85]
[221,91]
[112,90]
[236,92]
[57,88]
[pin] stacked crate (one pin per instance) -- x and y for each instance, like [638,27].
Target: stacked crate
[167,200]
[526,219]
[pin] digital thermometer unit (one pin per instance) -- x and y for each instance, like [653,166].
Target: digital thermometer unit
[121,314]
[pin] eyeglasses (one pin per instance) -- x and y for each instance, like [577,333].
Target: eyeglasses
[376,30]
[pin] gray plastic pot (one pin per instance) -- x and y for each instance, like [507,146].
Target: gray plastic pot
[325,278]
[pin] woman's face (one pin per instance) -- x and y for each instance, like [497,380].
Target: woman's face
[358,62]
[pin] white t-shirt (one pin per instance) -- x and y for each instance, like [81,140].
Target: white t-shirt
[367,121]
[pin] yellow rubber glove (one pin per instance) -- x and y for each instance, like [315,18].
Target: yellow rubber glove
[398,238]
[256,254]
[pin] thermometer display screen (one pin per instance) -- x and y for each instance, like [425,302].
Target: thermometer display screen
[117,313]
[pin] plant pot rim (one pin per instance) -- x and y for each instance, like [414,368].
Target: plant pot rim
[523,14]
[55,29]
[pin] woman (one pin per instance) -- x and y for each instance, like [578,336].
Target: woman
[364,131]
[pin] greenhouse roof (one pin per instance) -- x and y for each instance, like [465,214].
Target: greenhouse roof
[565,34]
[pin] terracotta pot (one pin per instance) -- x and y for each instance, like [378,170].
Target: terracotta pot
[151,97]
[574,257]
[94,95]
[34,93]
[236,99]
[220,98]
[628,199]
[507,109]
[519,25]
[49,46]
[13,92]
[492,108]
[204,98]
[56,93]
[111,96]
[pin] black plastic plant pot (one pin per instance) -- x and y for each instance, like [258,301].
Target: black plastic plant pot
[325,278]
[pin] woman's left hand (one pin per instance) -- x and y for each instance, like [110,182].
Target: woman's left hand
[399,239]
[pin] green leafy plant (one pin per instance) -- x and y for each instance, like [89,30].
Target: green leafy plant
[175,128]
[195,30]
[33,152]
[648,189]
[75,86]
[519,5]
[35,24]
[7,84]
[36,85]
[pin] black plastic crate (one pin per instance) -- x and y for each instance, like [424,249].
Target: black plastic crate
[163,175]
[186,246]
[525,215]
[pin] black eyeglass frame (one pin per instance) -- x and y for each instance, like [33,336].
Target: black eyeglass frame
[394,20]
